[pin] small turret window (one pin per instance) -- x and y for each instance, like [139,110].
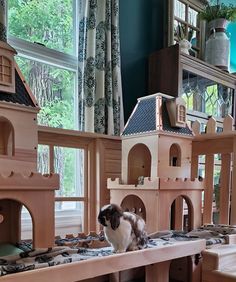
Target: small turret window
[5,71]
[181,113]
[6,137]
[175,155]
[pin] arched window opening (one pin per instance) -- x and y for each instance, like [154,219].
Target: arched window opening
[139,163]
[175,155]
[6,137]
[133,203]
[180,214]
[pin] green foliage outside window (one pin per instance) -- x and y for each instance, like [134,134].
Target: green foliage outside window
[49,22]
[54,91]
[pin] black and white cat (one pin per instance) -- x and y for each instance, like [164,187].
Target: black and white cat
[124,230]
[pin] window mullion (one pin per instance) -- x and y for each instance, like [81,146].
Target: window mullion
[43,54]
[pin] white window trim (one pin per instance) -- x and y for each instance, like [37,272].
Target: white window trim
[38,52]
[43,54]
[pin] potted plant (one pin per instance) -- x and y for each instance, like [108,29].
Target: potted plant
[217,16]
[216,10]
[183,40]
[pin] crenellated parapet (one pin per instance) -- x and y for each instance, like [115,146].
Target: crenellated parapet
[181,184]
[159,183]
[32,181]
[147,184]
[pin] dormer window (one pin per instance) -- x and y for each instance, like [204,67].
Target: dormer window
[181,113]
[5,71]
[177,112]
[7,68]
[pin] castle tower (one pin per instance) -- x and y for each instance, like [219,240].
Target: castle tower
[156,164]
[20,184]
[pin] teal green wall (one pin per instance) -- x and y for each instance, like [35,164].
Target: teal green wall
[232,35]
[141,32]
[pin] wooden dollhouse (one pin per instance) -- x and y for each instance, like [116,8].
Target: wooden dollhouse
[159,171]
[156,165]
[20,184]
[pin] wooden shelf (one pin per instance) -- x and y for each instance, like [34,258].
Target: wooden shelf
[166,67]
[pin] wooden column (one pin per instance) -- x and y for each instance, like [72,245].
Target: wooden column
[225,188]
[194,167]
[92,176]
[233,193]
[158,272]
[194,161]
[178,213]
[208,192]
[114,277]
[195,267]
[209,178]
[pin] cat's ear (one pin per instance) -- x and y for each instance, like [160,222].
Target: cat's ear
[115,220]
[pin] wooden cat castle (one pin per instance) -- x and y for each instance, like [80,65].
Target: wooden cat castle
[156,165]
[20,184]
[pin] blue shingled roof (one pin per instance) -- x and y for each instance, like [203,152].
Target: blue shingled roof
[143,118]
[20,97]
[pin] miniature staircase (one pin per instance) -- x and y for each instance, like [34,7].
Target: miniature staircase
[219,264]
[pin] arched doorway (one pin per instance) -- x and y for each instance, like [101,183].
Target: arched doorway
[139,163]
[12,222]
[181,214]
[134,204]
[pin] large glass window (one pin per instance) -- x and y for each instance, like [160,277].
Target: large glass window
[71,198]
[44,33]
[47,22]
[45,37]
[205,97]
[53,88]
[69,164]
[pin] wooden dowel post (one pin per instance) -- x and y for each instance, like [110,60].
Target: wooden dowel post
[208,192]
[158,272]
[194,167]
[233,193]
[114,277]
[225,188]
[179,205]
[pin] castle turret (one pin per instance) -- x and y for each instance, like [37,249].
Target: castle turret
[20,184]
[156,165]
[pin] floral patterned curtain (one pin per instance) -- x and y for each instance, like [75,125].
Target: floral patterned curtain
[100,92]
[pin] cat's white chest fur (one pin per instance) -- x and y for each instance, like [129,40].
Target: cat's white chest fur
[121,237]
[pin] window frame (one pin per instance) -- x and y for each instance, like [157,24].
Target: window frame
[40,53]
[66,142]
[195,5]
[181,114]
[43,54]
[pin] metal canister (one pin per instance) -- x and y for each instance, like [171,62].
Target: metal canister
[217,51]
